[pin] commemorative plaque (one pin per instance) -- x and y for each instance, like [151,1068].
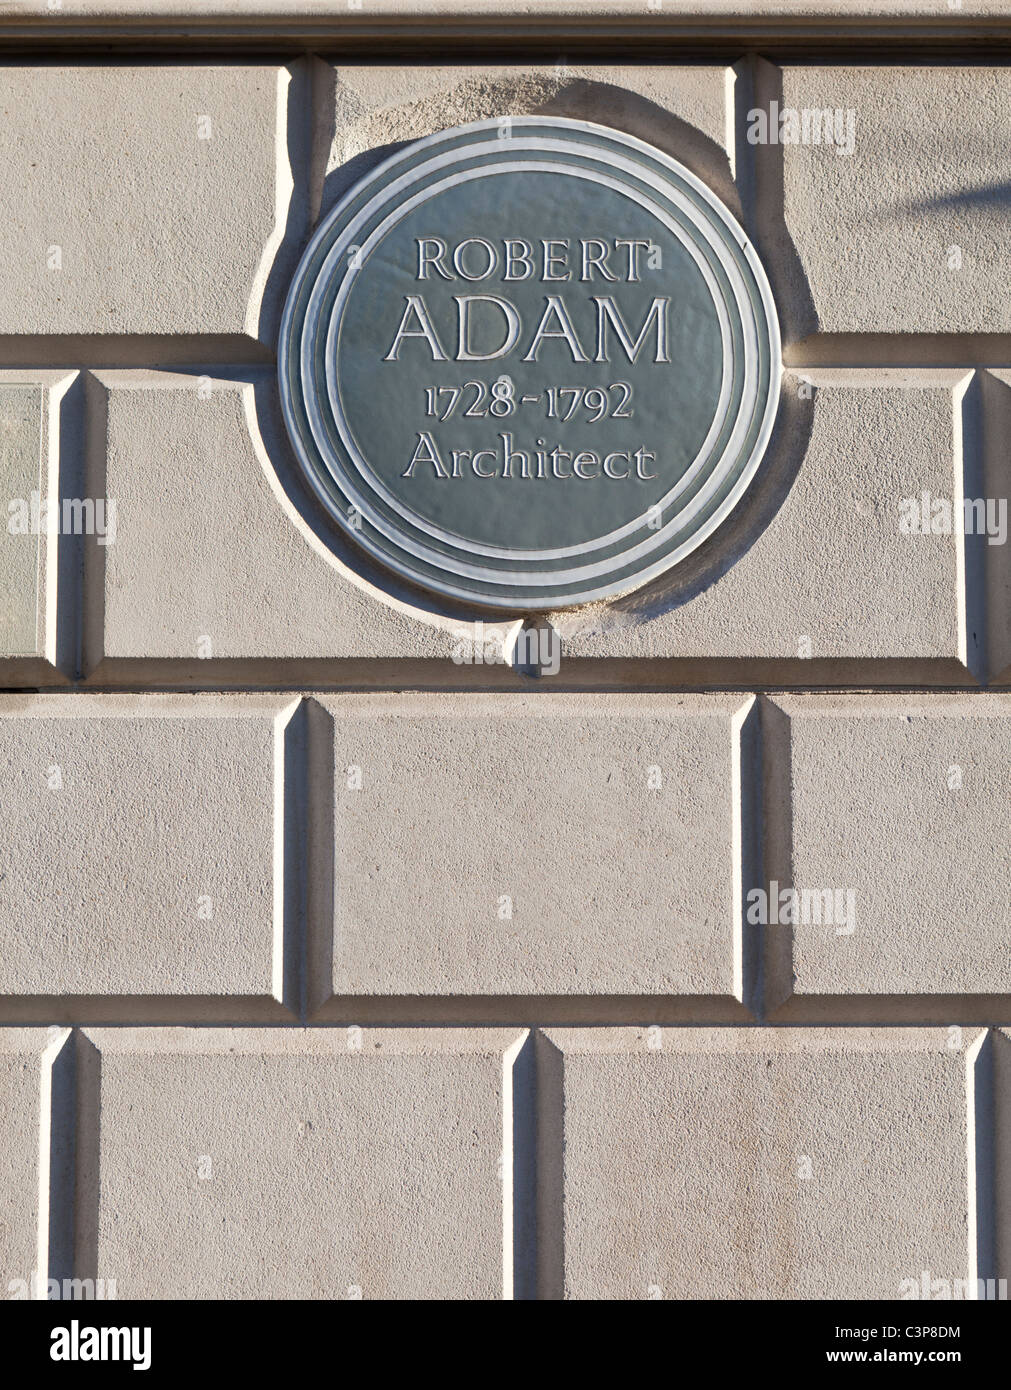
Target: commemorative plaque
[529,363]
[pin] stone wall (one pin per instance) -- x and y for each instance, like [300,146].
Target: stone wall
[335,962]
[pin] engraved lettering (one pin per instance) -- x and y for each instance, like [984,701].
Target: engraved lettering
[518,253]
[553,258]
[512,318]
[609,313]
[425,329]
[556,309]
[426,451]
[458,258]
[595,254]
[426,258]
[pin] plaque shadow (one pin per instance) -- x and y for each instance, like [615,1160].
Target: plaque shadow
[704,567]
[525,92]
[749,182]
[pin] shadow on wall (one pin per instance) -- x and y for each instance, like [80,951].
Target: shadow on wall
[699,571]
[761,176]
[527,94]
[995,196]
[297,226]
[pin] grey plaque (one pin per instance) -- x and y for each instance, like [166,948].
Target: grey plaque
[529,362]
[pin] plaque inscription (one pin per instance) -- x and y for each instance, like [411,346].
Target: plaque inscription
[529,363]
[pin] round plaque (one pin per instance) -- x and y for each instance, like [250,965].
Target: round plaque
[529,362]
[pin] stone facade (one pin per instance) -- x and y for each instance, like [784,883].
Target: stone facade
[345,951]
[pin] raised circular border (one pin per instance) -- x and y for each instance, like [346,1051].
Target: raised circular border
[427,527]
[382,525]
